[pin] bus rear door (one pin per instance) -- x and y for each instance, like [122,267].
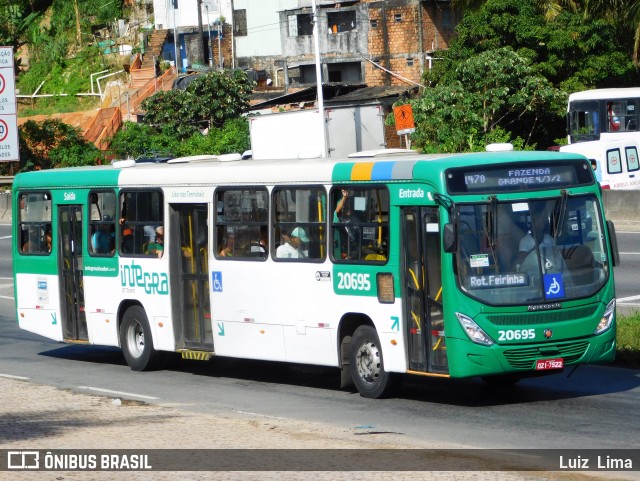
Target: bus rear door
[423,290]
[74,322]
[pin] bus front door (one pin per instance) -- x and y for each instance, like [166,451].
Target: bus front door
[190,261]
[423,290]
[74,321]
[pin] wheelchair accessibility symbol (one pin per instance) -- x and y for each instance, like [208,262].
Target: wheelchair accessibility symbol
[216,281]
[553,286]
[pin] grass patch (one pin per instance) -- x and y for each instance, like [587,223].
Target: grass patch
[57,105]
[628,340]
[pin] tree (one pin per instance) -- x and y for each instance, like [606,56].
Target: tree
[15,21]
[51,144]
[571,51]
[208,101]
[136,140]
[493,96]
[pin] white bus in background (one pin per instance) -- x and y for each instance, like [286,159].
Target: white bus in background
[603,114]
[615,161]
[604,126]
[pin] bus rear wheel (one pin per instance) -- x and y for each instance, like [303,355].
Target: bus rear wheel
[136,341]
[367,365]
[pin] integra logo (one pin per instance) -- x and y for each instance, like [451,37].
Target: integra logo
[544,307]
[152,282]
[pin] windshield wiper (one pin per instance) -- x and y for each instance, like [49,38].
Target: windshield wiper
[492,222]
[560,213]
[492,228]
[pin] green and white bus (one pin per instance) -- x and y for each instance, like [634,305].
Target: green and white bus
[496,264]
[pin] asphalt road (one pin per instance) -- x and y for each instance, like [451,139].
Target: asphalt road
[593,407]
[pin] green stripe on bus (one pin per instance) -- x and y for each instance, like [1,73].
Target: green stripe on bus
[68,178]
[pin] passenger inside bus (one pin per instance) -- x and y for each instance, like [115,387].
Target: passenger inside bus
[48,238]
[226,249]
[157,247]
[101,240]
[294,247]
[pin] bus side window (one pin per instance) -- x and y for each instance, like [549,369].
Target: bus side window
[299,220]
[35,223]
[242,223]
[141,214]
[360,224]
[102,223]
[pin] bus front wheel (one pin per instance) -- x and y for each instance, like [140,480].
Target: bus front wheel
[136,340]
[367,364]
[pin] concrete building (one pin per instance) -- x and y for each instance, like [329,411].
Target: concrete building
[180,18]
[366,41]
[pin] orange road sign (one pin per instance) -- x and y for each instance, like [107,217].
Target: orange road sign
[404,119]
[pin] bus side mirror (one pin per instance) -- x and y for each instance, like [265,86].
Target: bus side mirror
[613,241]
[449,238]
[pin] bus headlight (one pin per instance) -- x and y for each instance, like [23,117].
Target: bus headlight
[607,317]
[475,333]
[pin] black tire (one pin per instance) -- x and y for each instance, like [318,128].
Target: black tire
[367,365]
[502,380]
[137,342]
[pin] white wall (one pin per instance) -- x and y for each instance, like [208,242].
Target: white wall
[263,27]
[187,13]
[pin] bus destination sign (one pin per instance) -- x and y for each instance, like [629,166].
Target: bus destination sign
[516,177]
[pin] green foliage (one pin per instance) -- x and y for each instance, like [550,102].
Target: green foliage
[571,49]
[628,340]
[16,19]
[475,96]
[50,144]
[136,140]
[208,101]
[492,96]
[233,136]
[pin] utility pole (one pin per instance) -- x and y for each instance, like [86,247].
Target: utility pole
[210,47]
[219,45]
[316,45]
[199,43]
[174,4]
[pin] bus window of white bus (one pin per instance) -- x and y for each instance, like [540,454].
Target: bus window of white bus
[300,213]
[242,223]
[140,215]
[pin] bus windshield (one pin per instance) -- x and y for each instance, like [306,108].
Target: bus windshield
[537,251]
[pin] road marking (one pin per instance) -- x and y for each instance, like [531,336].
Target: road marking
[630,253]
[120,393]
[10,376]
[5,237]
[628,299]
[7,297]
